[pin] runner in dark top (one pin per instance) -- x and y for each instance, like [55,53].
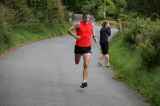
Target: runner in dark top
[105,32]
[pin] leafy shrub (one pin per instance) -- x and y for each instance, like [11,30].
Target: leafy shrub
[131,33]
[24,15]
[7,15]
[5,37]
[151,49]
[143,34]
[149,54]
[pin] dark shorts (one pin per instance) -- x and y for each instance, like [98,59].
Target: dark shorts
[104,48]
[82,50]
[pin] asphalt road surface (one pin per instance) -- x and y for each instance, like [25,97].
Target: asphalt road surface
[44,74]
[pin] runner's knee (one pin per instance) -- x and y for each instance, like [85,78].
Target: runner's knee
[85,65]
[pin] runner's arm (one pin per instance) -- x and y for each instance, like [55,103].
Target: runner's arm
[109,29]
[95,40]
[94,36]
[71,32]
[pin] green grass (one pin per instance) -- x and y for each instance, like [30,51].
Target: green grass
[27,33]
[128,68]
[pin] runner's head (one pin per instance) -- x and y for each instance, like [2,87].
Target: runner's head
[85,17]
[104,24]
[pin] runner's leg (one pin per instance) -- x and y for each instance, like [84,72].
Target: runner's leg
[103,52]
[86,62]
[107,58]
[77,58]
[101,58]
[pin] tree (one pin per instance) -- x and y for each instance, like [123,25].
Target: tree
[147,7]
[80,6]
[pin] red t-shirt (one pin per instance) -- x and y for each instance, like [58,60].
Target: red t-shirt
[85,31]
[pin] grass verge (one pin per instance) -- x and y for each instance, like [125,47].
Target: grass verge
[27,33]
[128,68]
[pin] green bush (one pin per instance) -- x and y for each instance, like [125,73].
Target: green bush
[131,33]
[25,15]
[7,15]
[131,70]
[151,49]
[6,38]
[143,34]
[149,55]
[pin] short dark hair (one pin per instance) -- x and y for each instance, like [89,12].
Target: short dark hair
[84,15]
[104,24]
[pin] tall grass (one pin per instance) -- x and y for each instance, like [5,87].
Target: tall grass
[23,33]
[129,65]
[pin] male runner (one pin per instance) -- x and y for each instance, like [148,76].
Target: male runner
[83,33]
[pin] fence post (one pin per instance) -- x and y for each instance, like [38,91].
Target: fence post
[120,25]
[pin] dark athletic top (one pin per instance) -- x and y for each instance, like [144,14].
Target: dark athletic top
[104,34]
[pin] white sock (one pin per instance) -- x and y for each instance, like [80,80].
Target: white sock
[84,80]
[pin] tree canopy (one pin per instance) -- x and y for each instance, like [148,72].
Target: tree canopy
[114,8]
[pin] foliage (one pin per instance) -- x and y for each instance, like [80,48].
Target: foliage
[133,33]
[82,6]
[147,7]
[29,11]
[5,37]
[99,8]
[7,15]
[114,8]
[131,70]
[144,35]
[27,20]
[151,45]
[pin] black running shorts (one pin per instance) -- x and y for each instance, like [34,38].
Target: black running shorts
[82,50]
[104,48]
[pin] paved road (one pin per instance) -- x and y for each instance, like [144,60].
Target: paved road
[44,74]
